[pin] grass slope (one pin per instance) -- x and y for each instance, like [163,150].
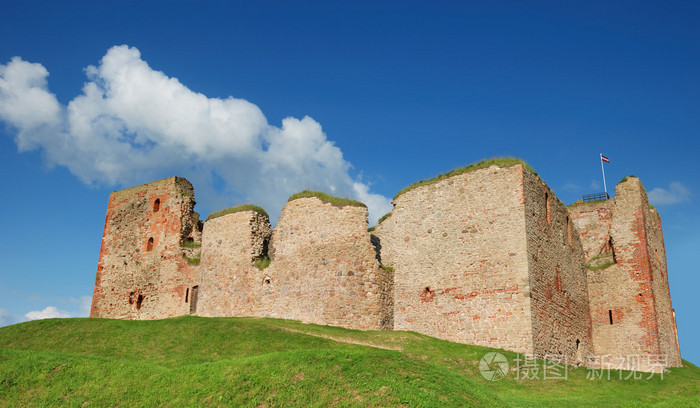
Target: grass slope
[269,363]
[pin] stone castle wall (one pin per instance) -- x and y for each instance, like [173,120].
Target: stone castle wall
[630,303]
[558,287]
[666,316]
[141,273]
[488,257]
[459,252]
[230,285]
[324,268]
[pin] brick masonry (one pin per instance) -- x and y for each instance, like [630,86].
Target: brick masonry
[489,257]
[141,272]
[630,300]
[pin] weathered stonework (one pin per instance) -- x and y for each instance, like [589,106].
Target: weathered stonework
[484,258]
[459,255]
[324,268]
[630,300]
[142,273]
[229,281]
[561,323]
[488,257]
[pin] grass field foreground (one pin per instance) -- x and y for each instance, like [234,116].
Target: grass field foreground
[192,361]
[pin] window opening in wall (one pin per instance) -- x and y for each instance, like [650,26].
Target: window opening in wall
[548,209]
[149,245]
[139,300]
[156,205]
[267,280]
[193,300]
[578,342]
[610,315]
[187,295]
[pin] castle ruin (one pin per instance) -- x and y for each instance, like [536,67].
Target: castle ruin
[486,256]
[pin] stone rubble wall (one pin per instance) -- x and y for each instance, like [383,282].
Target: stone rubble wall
[459,251]
[324,269]
[665,315]
[558,286]
[229,283]
[136,280]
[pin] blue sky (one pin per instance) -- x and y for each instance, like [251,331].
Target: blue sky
[355,98]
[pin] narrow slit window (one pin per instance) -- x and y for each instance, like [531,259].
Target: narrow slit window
[149,245]
[187,295]
[139,301]
[610,315]
[156,205]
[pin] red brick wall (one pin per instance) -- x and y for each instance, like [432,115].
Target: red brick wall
[133,282]
[635,289]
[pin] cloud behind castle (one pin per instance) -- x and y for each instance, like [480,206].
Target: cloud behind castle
[131,124]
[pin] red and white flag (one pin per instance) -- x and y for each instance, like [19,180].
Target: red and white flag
[603,158]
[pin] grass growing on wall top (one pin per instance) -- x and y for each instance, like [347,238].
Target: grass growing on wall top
[326,198]
[383,217]
[626,177]
[498,161]
[251,362]
[240,208]
[592,202]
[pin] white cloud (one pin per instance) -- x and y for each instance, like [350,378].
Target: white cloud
[676,193]
[49,313]
[84,303]
[595,185]
[132,124]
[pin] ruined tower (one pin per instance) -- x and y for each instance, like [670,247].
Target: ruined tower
[631,307]
[143,272]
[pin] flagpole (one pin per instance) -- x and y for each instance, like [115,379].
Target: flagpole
[602,167]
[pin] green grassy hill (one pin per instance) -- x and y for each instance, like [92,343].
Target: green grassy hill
[191,361]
